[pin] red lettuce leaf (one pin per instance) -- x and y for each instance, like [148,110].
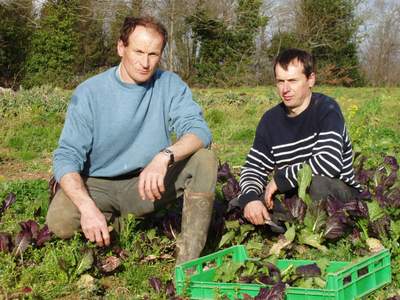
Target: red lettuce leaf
[333,205]
[296,207]
[277,292]
[311,270]
[170,288]
[224,172]
[43,236]
[155,283]
[7,202]
[356,208]
[231,189]
[5,242]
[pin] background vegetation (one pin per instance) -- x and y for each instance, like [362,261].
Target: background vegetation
[211,43]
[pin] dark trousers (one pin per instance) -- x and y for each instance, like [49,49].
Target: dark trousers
[321,187]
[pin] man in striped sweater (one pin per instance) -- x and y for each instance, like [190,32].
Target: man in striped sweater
[305,127]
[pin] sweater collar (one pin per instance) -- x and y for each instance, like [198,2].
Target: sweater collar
[132,86]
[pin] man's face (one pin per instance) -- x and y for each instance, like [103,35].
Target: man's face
[139,60]
[294,87]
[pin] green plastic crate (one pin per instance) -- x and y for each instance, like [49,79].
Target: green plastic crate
[344,280]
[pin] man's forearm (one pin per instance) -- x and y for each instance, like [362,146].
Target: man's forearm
[186,146]
[75,189]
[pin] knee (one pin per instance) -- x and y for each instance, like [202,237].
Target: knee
[63,228]
[206,159]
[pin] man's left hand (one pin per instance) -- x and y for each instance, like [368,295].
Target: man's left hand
[270,190]
[151,179]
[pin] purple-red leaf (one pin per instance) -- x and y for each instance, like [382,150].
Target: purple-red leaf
[335,226]
[26,290]
[22,241]
[7,202]
[356,208]
[5,242]
[296,207]
[365,194]
[43,236]
[277,292]
[108,264]
[392,162]
[311,270]
[273,276]
[224,172]
[389,181]
[155,283]
[231,189]
[170,288]
[31,226]
[333,205]
[262,294]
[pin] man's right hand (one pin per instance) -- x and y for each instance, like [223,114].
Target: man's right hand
[256,212]
[93,222]
[94,225]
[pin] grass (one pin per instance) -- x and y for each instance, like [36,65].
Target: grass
[30,123]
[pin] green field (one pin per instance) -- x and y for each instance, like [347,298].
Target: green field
[30,123]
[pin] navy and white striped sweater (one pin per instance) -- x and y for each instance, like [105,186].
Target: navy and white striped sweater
[317,136]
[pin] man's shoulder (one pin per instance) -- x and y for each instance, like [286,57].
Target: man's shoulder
[324,104]
[95,82]
[167,76]
[274,113]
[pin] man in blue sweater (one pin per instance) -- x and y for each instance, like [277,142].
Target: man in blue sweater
[115,154]
[305,127]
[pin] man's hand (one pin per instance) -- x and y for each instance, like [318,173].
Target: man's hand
[256,212]
[270,190]
[151,179]
[93,222]
[94,225]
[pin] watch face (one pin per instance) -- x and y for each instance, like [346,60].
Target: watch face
[171,156]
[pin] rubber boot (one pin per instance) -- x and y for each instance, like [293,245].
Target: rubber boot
[196,217]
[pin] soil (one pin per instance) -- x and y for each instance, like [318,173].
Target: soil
[17,170]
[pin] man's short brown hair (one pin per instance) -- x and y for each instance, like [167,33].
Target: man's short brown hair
[286,57]
[130,24]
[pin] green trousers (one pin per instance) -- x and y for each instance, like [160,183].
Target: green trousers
[115,198]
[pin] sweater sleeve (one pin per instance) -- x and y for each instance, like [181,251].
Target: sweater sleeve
[76,138]
[327,153]
[186,115]
[259,164]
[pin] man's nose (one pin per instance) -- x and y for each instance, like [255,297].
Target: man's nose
[145,61]
[286,87]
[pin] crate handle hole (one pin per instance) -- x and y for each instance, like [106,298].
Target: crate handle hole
[347,280]
[191,271]
[379,263]
[209,265]
[362,271]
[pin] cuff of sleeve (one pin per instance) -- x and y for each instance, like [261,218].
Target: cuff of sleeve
[203,135]
[246,198]
[281,182]
[59,173]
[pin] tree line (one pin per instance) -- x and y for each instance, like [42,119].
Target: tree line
[211,43]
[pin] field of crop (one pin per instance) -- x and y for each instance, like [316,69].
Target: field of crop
[32,266]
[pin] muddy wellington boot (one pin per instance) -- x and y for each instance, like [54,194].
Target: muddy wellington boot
[196,217]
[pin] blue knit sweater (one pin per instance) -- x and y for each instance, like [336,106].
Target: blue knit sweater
[112,127]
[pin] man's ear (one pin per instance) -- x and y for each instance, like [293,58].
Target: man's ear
[311,80]
[120,48]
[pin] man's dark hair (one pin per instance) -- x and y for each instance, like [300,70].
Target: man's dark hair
[130,24]
[289,55]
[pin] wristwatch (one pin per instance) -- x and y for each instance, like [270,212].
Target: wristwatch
[170,154]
